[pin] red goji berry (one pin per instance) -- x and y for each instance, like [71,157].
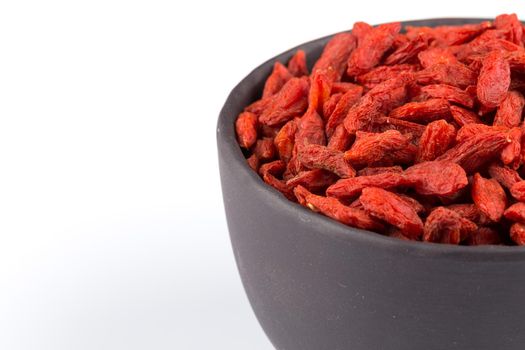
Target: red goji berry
[489,197]
[445,226]
[506,176]
[484,236]
[276,80]
[350,188]
[476,150]
[335,55]
[329,105]
[510,110]
[371,48]
[518,190]
[347,101]
[334,209]
[517,233]
[285,139]
[449,93]
[463,116]
[516,212]
[436,139]
[389,207]
[470,212]
[423,112]
[440,178]
[297,64]
[340,139]
[380,170]
[288,103]
[369,148]
[316,180]
[493,80]
[246,127]
[321,157]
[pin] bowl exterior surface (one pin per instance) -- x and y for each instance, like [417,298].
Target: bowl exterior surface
[315,284]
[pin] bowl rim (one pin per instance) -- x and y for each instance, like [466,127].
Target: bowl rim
[228,146]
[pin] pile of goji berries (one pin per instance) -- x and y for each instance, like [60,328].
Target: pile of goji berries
[416,135]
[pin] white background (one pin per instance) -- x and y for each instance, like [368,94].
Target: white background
[112,231]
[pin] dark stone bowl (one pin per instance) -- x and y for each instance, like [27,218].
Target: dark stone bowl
[316,284]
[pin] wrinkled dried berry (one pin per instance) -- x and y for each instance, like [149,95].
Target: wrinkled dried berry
[331,207]
[517,233]
[489,197]
[445,226]
[436,139]
[321,157]
[391,208]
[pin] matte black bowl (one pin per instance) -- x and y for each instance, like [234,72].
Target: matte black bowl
[315,284]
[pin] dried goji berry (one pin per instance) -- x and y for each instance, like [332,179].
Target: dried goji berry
[423,112]
[340,139]
[285,139]
[335,55]
[383,73]
[510,110]
[512,25]
[369,148]
[489,197]
[409,50]
[264,149]
[470,212]
[518,190]
[516,212]
[477,150]
[493,80]
[517,233]
[455,35]
[253,162]
[310,130]
[441,178]
[382,124]
[334,209]
[360,30]
[389,207]
[380,170]
[246,128]
[320,88]
[455,74]
[350,188]
[329,105]
[276,80]
[343,87]
[511,155]
[316,180]
[297,64]
[449,93]
[506,176]
[436,139]
[347,101]
[371,48]
[436,55]
[484,236]
[463,116]
[288,103]
[470,130]
[445,226]
[418,207]
[321,157]
[269,171]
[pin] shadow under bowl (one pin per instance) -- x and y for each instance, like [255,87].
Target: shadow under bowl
[315,284]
